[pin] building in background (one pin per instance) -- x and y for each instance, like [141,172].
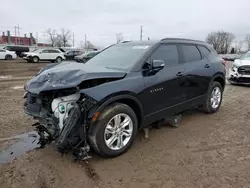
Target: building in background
[24,41]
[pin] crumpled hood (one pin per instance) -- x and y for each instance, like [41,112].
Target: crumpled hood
[67,75]
[241,62]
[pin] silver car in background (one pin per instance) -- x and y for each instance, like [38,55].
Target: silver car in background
[240,71]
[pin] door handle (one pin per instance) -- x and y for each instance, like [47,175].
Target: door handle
[180,74]
[207,66]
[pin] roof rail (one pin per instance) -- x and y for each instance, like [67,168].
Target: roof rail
[126,41]
[181,39]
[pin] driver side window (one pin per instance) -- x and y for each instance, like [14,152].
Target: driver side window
[167,53]
[45,51]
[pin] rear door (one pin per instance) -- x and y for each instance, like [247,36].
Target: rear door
[198,70]
[54,54]
[164,88]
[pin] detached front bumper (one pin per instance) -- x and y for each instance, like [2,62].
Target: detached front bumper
[29,58]
[236,78]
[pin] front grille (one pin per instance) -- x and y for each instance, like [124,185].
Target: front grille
[245,70]
[242,80]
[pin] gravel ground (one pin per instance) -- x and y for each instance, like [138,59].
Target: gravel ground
[205,151]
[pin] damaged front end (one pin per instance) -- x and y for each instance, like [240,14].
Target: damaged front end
[56,97]
[61,117]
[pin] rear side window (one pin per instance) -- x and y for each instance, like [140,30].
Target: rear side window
[191,53]
[45,51]
[167,53]
[204,51]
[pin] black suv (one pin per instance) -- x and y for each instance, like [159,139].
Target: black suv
[126,87]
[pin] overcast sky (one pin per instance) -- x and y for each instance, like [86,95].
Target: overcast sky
[102,19]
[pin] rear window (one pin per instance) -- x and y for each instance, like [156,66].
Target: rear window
[191,53]
[204,51]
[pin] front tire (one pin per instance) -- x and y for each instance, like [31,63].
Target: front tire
[214,98]
[35,59]
[114,131]
[8,57]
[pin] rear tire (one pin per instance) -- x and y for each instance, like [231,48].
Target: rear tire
[35,59]
[8,57]
[58,60]
[109,140]
[214,98]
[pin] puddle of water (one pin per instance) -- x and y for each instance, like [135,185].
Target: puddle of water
[22,144]
[17,87]
[5,77]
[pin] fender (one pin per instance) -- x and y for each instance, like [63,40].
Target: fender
[114,99]
[216,76]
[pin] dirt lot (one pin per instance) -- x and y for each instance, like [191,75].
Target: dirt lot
[205,151]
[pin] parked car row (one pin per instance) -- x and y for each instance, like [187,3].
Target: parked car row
[83,58]
[37,55]
[7,55]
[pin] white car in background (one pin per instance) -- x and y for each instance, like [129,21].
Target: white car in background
[52,55]
[8,55]
[240,71]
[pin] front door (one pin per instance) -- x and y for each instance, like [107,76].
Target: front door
[44,55]
[165,88]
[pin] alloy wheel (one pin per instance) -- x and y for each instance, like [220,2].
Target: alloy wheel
[215,97]
[118,131]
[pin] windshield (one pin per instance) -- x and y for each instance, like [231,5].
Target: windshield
[246,56]
[119,56]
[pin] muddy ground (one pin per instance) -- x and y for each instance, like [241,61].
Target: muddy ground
[205,151]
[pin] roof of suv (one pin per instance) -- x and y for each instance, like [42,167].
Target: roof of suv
[152,42]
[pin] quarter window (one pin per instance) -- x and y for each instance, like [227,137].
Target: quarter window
[167,53]
[191,53]
[53,51]
[204,51]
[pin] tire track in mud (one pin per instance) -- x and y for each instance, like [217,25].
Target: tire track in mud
[91,173]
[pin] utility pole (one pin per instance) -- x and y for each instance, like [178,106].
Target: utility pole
[141,33]
[17,32]
[36,38]
[85,42]
[44,35]
[73,39]
[15,36]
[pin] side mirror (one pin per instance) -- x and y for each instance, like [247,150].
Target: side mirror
[158,64]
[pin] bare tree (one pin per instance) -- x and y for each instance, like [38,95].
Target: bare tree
[238,45]
[89,45]
[247,39]
[64,37]
[52,36]
[119,37]
[221,41]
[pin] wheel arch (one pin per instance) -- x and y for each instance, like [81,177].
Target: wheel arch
[127,99]
[219,78]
